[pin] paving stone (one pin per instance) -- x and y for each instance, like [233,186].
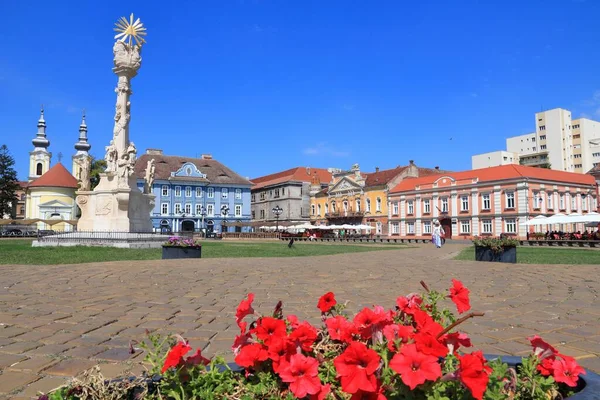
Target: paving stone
[71,367]
[20,347]
[6,360]
[13,380]
[34,364]
[116,354]
[84,351]
[50,349]
[44,385]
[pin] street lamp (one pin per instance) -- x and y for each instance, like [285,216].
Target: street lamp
[224,212]
[203,214]
[277,211]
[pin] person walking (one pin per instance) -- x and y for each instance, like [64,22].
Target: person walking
[438,234]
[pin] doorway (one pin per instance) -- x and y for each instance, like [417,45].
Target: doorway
[210,227]
[188,226]
[446,224]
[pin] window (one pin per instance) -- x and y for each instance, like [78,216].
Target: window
[188,208]
[198,209]
[378,204]
[238,210]
[210,210]
[577,155]
[38,169]
[238,194]
[319,210]
[486,226]
[177,208]
[345,204]
[550,201]
[253,213]
[578,165]
[224,193]
[283,191]
[533,139]
[368,205]
[426,206]
[573,203]
[333,207]
[465,226]
[312,209]
[562,201]
[410,228]
[445,205]
[262,214]
[188,191]
[276,195]
[584,203]
[210,193]
[543,147]
[595,154]
[358,205]
[411,207]
[510,199]
[464,203]
[177,191]
[198,192]
[542,127]
[542,137]
[395,228]
[511,225]
[326,208]
[486,202]
[164,208]
[427,227]
[165,190]
[395,208]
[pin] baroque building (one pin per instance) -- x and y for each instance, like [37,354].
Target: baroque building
[355,197]
[290,191]
[195,194]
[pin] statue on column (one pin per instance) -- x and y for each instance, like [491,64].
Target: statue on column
[111,157]
[149,178]
[84,174]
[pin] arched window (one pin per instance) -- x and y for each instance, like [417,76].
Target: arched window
[333,207]
[38,169]
[319,210]
[368,205]
[326,208]
[312,209]
[345,206]
[358,205]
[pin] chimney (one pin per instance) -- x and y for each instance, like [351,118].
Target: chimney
[307,170]
[376,169]
[207,156]
[412,162]
[154,152]
[437,167]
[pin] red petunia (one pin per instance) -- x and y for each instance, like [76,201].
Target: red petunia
[301,373]
[292,320]
[340,328]
[197,359]
[360,395]
[240,341]
[428,344]
[541,348]
[245,308]
[409,303]
[251,355]
[415,367]
[546,366]
[175,356]
[456,340]
[326,302]
[567,371]
[474,373]
[368,321]
[426,324]
[460,296]
[397,334]
[268,327]
[304,336]
[356,367]
[279,350]
[322,393]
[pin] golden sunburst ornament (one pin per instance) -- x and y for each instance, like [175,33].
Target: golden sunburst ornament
[130,31]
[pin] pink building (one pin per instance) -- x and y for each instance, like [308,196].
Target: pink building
[488,201]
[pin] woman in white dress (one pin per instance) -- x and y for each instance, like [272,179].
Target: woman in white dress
[438,234]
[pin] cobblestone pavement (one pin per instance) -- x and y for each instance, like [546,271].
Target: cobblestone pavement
[60,320]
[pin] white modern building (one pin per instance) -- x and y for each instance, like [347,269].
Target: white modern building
[560,142]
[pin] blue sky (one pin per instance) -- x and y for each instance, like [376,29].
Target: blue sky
[268,85]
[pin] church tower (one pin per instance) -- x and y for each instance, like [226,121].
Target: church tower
[39,158]
[82,147]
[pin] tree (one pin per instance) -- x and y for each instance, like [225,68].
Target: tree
[8,183]
[98,166]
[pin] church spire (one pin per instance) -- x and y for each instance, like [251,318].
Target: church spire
[41,142]
[82,146]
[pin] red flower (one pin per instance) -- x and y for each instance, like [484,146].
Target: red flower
[455,340]
[541,348]
[245,308]
[240,341]
[428,344]
[368,321]
[415,367]
[567,371]
[293,321]
[175,356]
[410,303]
[251,355]
[396,334]
[322,393]
[326,302]
[302,374]
[546,366]
[197,359]
[360,395]
[356,366]
[460,296]
[340,328]
[304,336]
[268,327]
[426,324]
[474,373]
[280,349]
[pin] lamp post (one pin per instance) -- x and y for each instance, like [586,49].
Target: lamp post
[203,214]
[224,212]
[277,211]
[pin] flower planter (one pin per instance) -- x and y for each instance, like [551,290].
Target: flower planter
[174,252]
[507,255]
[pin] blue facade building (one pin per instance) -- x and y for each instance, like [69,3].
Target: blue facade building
[196,194]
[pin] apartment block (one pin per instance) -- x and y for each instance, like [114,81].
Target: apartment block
[494,159]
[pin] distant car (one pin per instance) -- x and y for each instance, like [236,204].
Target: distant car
[45,232]
[14,232]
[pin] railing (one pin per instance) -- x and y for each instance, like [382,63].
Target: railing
[108,236]
[250,235]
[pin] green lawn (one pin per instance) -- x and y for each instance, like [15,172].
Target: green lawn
[544,255]
[21,252]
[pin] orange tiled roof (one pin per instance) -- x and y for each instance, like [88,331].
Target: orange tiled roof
[500,173]
[57,176]
[383,177]
[298,174]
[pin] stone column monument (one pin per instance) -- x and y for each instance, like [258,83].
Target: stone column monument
[117,204]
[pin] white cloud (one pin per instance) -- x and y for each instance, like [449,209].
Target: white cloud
[322,149]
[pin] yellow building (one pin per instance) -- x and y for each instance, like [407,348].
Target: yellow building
[355,197]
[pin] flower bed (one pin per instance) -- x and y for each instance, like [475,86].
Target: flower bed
[496,249]
[413,351]
[178,247]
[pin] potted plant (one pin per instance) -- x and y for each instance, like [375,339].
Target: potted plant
[413,351]
[496,249]
[178,247]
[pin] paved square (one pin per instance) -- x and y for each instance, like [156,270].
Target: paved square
[56,321]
